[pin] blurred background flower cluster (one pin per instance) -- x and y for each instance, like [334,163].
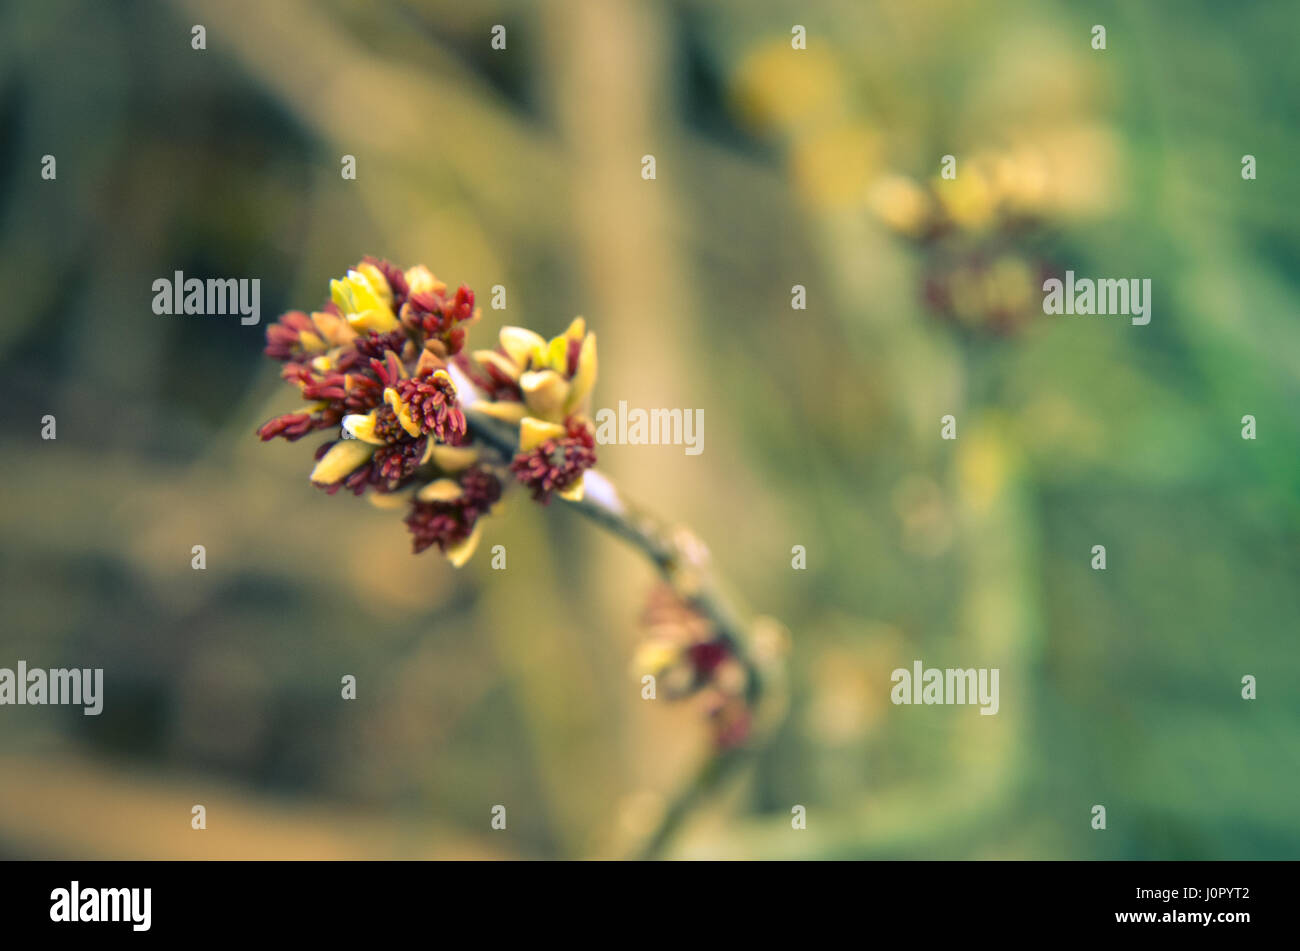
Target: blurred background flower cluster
[775,167]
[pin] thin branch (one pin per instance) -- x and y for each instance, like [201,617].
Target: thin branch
[680,559]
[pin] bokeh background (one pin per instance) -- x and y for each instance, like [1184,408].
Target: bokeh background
[775,167]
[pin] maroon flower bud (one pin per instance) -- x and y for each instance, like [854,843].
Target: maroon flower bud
[290,426]
[449,522]
[283,338]
[431,405]
[436,317]
[398,461]
[557,464]
[705,657]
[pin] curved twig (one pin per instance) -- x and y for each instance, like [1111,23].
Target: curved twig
[681,560]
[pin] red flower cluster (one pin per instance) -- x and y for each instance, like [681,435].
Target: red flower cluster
[440,318]
[558,463]
[432,405]
[381,362]
[380,377]
[449,523]
[688,658]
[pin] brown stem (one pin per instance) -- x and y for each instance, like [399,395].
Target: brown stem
[680,559]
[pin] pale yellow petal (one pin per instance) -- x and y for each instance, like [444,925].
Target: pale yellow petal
[376,283]
[574,492]
[545,392]
[421,280]
[363,427]
[522,345]
[504,411]
[378,319]
[654,657]
[442,490]
[310,342]
[341,294]
[534,432]
[402,411]
[498,360]
[461,552]
[333,328]
[584,380]
[365,303]
[557,354]
[343,457]
[453,458]
[366,295]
